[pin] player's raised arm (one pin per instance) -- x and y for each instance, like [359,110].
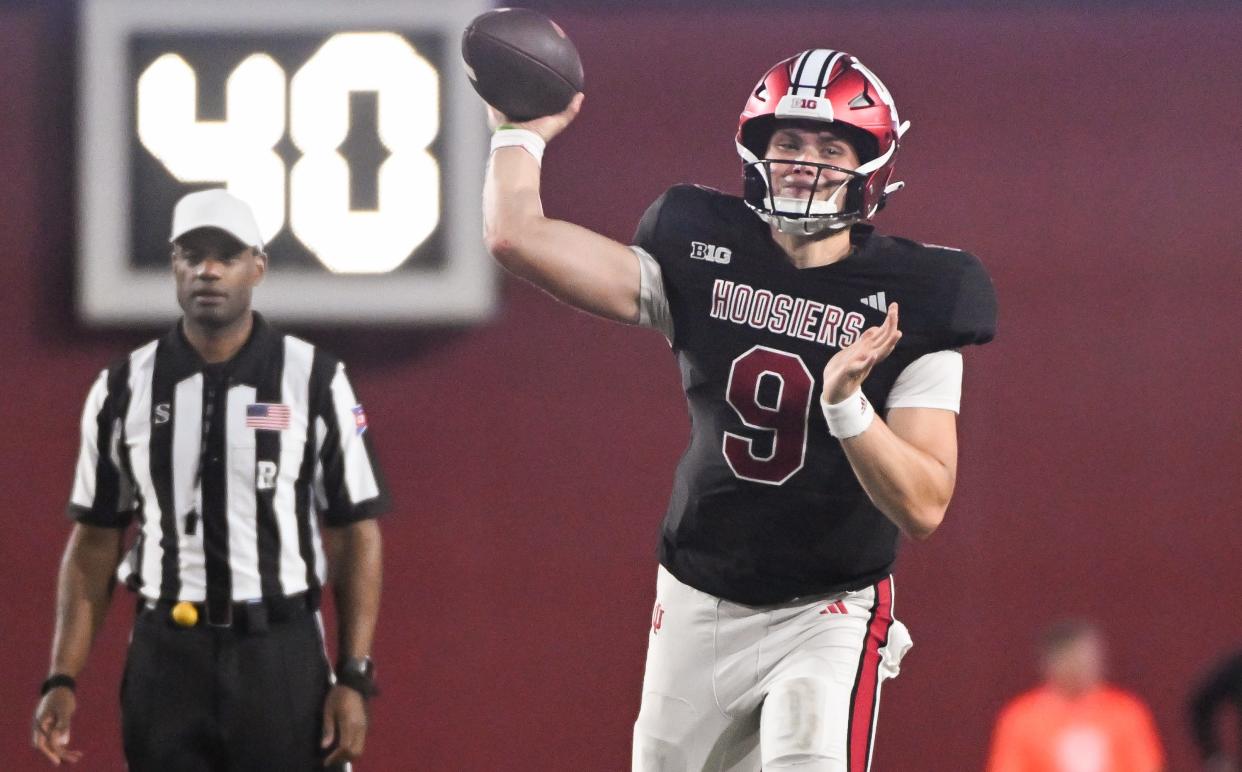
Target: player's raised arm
[529,73]
[576,265]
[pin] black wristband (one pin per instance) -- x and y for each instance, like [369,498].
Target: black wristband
[357,673]
[57,680]
[360,684]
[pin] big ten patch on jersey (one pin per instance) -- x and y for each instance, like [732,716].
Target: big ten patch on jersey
[710,252]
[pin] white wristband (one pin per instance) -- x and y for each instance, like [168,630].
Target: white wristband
[528,140]
[850,417]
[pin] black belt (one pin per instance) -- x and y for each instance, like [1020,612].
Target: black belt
[252,616]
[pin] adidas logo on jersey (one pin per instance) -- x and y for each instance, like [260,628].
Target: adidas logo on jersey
[710,252]
[876,301]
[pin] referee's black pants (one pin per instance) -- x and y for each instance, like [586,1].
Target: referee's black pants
[211,699]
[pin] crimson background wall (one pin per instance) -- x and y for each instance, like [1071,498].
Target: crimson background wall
[1091,158]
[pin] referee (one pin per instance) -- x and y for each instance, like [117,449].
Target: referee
[227,445]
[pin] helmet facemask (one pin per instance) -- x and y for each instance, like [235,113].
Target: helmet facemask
[834,199]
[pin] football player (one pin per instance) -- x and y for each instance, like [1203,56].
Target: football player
[823,419]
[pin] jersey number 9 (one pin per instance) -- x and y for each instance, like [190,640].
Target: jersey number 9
[783,418]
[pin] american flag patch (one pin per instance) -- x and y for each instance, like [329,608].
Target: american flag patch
[360,419]
[267,415]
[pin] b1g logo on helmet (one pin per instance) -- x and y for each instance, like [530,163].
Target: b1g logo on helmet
[710,252]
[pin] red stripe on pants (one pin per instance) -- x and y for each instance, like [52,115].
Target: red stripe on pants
[867,683]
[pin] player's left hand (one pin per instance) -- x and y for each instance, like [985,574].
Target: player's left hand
[344,723]
[849,367]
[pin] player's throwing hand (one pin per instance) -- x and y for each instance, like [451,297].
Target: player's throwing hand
[547,127]
[849,367]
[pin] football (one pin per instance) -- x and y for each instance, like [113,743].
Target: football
[521,63]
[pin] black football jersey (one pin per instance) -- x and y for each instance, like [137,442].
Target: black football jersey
[765,506]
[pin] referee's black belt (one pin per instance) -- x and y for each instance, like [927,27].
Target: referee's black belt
[253,616]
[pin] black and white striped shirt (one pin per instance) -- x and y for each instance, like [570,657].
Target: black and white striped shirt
[226,468]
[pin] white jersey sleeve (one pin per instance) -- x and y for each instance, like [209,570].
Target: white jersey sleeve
[84,478]
[102,494]
[933,380]
[348,484]
[653,310]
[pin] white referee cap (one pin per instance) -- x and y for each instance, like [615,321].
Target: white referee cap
[216,208]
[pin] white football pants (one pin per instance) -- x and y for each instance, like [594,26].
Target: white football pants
[734,688]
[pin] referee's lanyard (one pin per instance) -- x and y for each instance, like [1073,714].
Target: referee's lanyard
[211,382]
[209,482]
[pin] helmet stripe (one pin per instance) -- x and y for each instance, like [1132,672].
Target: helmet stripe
[815,60]
[822,61]
[823,79]
[796,81]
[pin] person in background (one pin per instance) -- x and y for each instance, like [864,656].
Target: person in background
[1222,686]
[241,458]
[1075,721]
